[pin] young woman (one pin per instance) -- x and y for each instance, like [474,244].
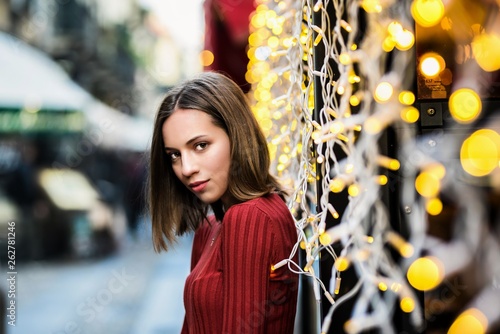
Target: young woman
[209,173]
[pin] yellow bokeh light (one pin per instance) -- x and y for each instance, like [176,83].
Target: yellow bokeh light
[407,304]
[258,20]
[388,44]
[277,30]
[480,153]
[427,13]
[383,92]
[431,64]
[437,169]
[353,190]
[382,286]
[404,248]
[266,124]
[407,250]
[287,42]
[206,58]
[354,100]
[337,127]
[325,239]
[427,185]
[344,59]
[425,273]
[283,159]
[405,40]
[270,15]
[486,48]
[394,164]
[410,114]
[394,28]
[273,42]
[253,39]
[337,185]
[315,135]
[465,105]
[372,125]
[342,263]
[471,321]
[434,206]
[382,180]
[371,6]
[389,163]
[354,79]
[406,97]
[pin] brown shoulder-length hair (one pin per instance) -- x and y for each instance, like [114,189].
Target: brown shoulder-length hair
[173,208]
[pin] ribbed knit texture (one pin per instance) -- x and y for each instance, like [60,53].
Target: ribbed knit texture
[231,288]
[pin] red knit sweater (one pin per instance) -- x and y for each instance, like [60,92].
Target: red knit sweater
[231,288]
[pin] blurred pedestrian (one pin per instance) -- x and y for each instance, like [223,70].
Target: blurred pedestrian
[209,173]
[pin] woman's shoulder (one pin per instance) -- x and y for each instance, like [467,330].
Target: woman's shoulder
[271,205]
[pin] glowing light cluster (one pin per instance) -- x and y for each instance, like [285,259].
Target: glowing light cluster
[351,111]
[480,152]
[427,13]
[399,37]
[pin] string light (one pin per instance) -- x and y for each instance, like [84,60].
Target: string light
[351,111]
[486,48]
[480,152]
[383,92]
[431,64]
[425,273]
[427,13]
[206,58]
[469,321]
[465,105]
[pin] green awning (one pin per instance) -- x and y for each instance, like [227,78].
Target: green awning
[42,121]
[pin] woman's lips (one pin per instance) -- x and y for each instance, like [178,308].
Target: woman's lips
[198,186]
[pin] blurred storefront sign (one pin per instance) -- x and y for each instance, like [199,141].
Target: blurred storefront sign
[37,96]
[86,222]
[53,121]
[68,189]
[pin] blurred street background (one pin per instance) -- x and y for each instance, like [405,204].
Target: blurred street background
[132,291]
[80,81]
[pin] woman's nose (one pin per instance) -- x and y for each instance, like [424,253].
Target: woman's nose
[189,165]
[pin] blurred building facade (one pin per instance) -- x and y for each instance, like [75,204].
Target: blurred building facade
[109,48]
[91,39]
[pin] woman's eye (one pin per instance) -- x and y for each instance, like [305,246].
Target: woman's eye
[201,146]
[173,156]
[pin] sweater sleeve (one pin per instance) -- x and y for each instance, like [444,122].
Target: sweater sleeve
[247,253]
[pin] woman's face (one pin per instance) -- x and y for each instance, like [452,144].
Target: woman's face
[199,152]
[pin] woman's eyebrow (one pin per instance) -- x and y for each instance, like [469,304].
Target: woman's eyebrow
[188,142]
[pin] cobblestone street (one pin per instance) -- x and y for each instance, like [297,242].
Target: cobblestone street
[134,291]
